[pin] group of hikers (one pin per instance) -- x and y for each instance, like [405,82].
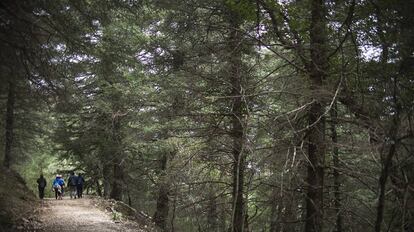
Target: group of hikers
[74,185]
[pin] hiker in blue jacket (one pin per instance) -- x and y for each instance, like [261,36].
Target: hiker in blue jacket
[58,187]
[72,183]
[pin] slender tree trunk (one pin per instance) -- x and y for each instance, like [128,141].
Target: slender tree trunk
[386,167]
[163,202]
[117,181]
[9,125]
[387,162]
[382,184]
[107,180]
[336,174]
[163,208]
[238,178]
[400,185]
[212,222]
[237,131]
[174,209]
[222,216]
[98,188]
[246,227]
[316,135]
[129,196]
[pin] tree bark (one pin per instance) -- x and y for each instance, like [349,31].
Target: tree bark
[387,162]
[174,209]
[163,208]
[237,121]
[98,188]
[117,181]
[382,184]
[9,125]
[315,173]
[106,180]
[222,215]
[336,174]
[212,222]
[316,134]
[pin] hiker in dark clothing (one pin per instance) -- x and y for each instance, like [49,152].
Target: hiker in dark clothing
[72,183]
[79,186]
[41,185]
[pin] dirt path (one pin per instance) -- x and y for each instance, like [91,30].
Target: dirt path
[79,215]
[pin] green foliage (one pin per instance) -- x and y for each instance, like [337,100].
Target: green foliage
[116,216]
[130,84]
[246,9]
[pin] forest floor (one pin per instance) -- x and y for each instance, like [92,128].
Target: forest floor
[81,215]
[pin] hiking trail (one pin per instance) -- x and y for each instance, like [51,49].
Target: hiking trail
[79,215]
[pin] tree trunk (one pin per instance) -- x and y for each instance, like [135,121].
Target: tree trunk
[316,134]
[237,131]
[223,215]
[336,175]
[315,173]
[174,209]
[246,222]
[387,162]
[107,180]
[129,196]
[275,213]
[117,181]
[163,208]
[98,188]
[212,222]
[9,125]
[400,186]
[386,166]
[382,184]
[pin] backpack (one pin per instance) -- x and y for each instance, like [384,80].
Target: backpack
[80,180]
[59,188]
[73,180]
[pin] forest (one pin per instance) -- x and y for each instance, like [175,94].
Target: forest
[217,115]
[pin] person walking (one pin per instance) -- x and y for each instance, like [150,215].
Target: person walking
[41,185]
[79,186]
[58,185]
[72,184]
